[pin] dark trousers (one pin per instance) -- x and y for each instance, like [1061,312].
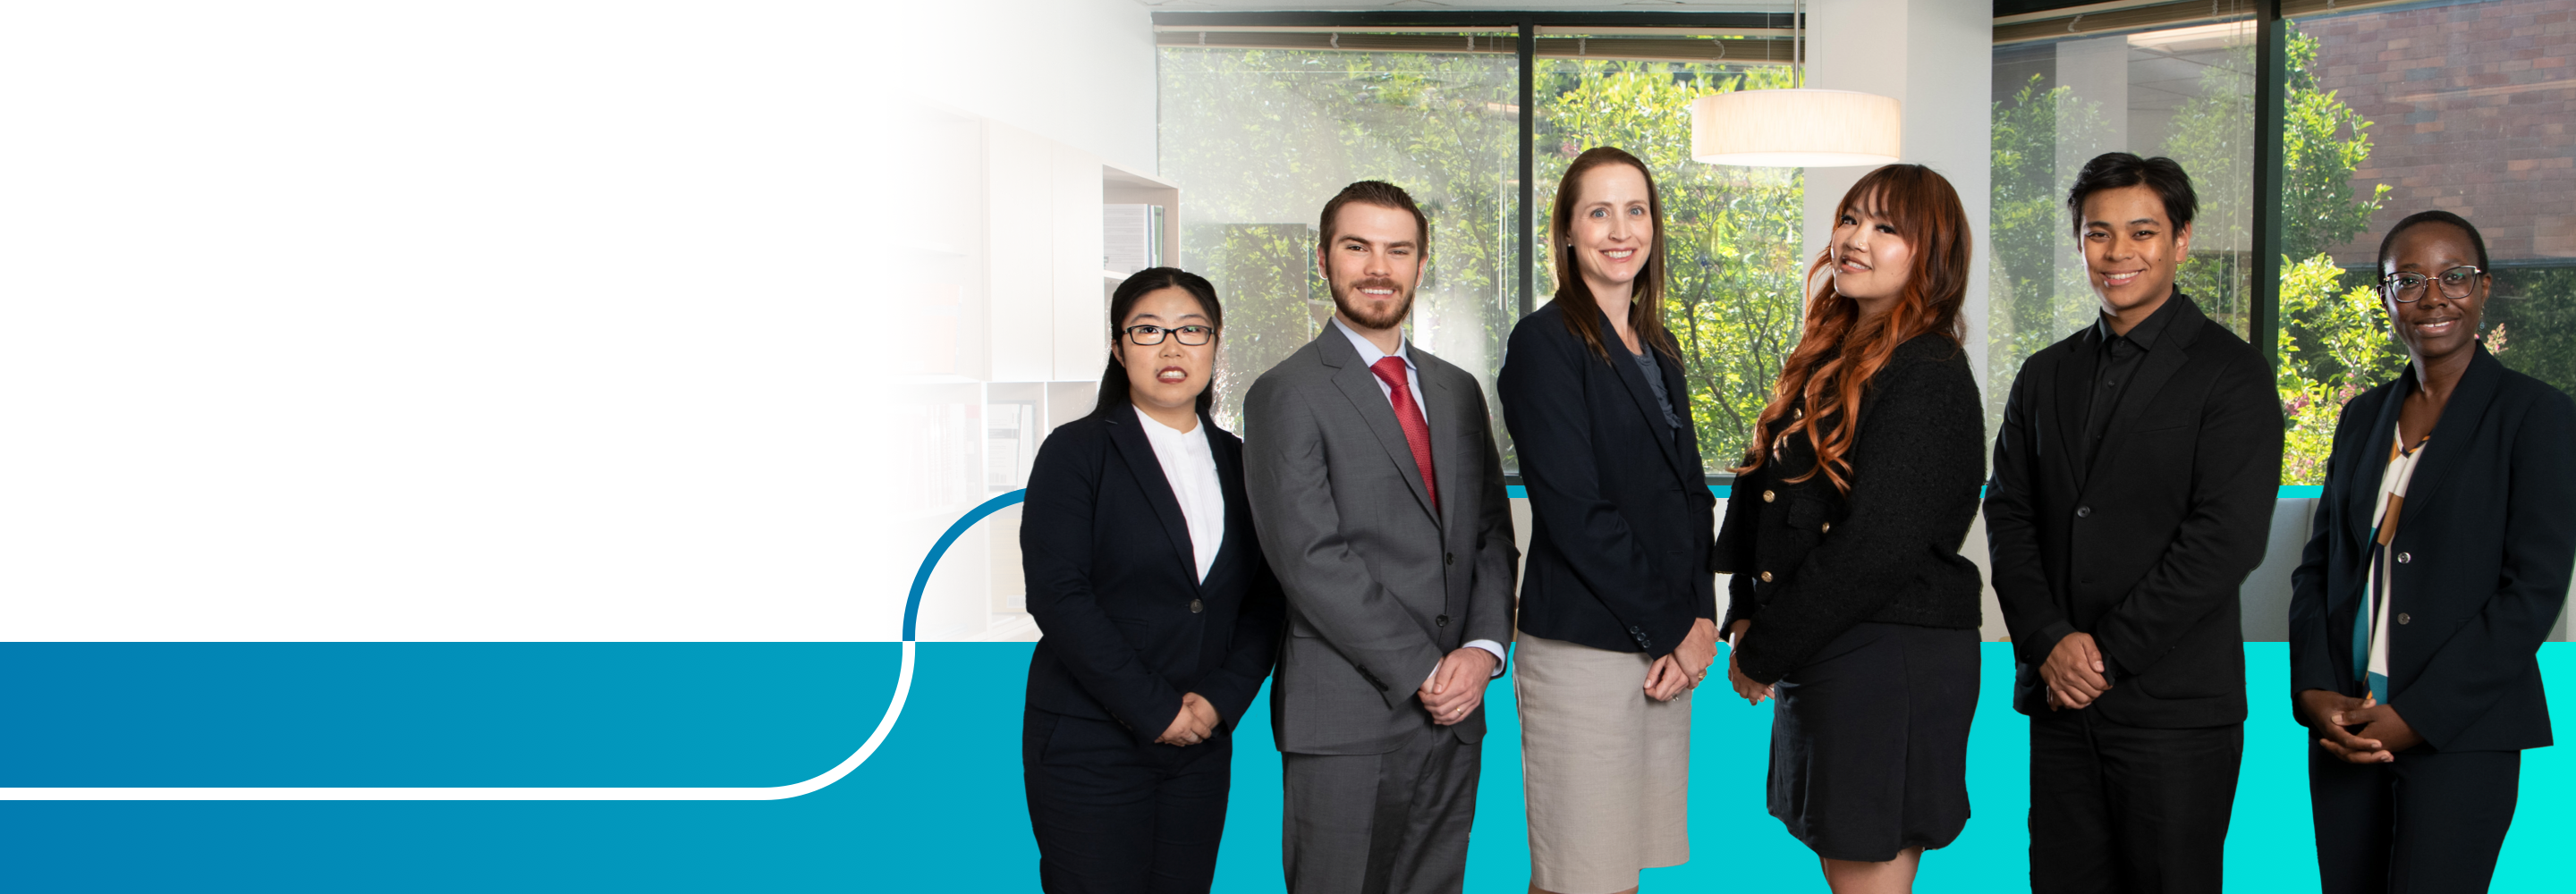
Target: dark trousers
[1393,823]
[2118,808]
[2427,822]
[1112,816]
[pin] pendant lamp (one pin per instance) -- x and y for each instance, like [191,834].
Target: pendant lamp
[1797,127]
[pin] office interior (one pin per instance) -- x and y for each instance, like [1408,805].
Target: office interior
[1099,137]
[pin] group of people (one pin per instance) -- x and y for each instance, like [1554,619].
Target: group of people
[1359,545]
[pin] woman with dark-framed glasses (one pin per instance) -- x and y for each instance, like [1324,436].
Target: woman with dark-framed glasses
[2439,559]
[1161,617]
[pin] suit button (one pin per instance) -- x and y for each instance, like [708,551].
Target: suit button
[1766,496]
[2403,558]
[1444,620]
[1828,529]
[2083,511]
[1766,577]
[2404,618]
[1196,606]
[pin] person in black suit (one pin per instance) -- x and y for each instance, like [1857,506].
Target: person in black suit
[1618,613]
[2439,560]
[1160,616]
[2133,487]
[1850,602]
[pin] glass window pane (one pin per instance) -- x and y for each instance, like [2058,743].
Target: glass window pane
[2461,107]
[1260,137]
[1733,233]
[2184,92]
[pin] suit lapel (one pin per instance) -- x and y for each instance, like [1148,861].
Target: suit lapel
[2158,367]
[1688,445]
[1634,379]
[2363,501]
[1238,511]
[1377,408]
[2461,417]
[2074,385]
[1128,437]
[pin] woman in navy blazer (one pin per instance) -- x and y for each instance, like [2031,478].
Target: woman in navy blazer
[1160,617]
[1618,610]
[2440,558]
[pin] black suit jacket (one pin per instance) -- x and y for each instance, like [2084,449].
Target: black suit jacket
[1621,513]
[1809,561]
[1114,586]
[2146,550]
[2485,543]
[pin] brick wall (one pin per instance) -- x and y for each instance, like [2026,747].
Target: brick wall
[2473,107]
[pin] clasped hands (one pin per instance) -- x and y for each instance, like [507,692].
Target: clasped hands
[1196,722]
[1457,687]
[2075,673]
[2383,734]
[1679,672]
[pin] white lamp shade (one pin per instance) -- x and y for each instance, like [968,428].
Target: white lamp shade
[1796,128]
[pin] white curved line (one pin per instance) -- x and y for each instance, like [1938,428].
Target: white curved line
[885,725]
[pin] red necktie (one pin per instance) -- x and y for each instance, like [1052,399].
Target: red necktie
[1417,434]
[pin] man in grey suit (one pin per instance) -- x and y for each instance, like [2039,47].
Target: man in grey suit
[1378,492]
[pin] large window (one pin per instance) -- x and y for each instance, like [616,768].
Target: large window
[1262,124]
[1260,137]
[2462,107]
[2383,111]
[1731,236]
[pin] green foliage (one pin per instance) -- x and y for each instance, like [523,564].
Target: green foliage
[2333,340]
[1732,237]
[2041,137]
[2213,138]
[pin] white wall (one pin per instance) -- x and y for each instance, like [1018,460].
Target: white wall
[1078,72]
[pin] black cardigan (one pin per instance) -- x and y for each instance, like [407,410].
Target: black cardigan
[1620,511]
[1114,587]
[2485,547]
[1886,552]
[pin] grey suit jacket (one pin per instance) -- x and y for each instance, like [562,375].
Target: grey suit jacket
[1380,585]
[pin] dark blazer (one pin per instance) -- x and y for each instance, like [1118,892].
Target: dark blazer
[1114,586]
[2146,550]
[1380,582]
[2484,549]
[1888,551]
[1621,515]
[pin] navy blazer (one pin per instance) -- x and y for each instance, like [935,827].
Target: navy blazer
[2484,546]
[1620,509]
[1113,583]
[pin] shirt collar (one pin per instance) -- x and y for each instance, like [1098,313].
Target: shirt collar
[2144,335]
[1156,430]
[1369,354]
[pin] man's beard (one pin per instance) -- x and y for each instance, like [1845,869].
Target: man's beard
[1395,313]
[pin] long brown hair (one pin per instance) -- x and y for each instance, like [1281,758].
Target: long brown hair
[1646,298]
[1928,216]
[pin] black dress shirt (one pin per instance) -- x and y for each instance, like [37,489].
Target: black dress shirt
[2116,361]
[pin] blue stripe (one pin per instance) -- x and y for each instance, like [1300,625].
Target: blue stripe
[921,578]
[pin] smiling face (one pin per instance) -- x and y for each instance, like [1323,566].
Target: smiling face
[1169,375]
[2131,249]
[1871,257]
[2436,325]
[1372,264]
[1613,231]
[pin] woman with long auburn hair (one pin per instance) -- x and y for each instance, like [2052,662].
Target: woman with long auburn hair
[1618,610]
[1850,605]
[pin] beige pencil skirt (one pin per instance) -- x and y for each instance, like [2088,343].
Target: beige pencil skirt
[1606,769]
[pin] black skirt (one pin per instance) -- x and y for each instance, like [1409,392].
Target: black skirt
[1869,742]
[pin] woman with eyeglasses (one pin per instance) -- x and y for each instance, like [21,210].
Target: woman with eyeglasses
[1160,616]
[2438,562]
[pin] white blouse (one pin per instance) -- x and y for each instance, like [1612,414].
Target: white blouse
[1190,466]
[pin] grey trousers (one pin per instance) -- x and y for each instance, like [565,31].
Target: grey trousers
[1393,823]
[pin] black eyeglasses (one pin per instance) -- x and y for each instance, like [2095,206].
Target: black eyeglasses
[1192,334]
[2408,288]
